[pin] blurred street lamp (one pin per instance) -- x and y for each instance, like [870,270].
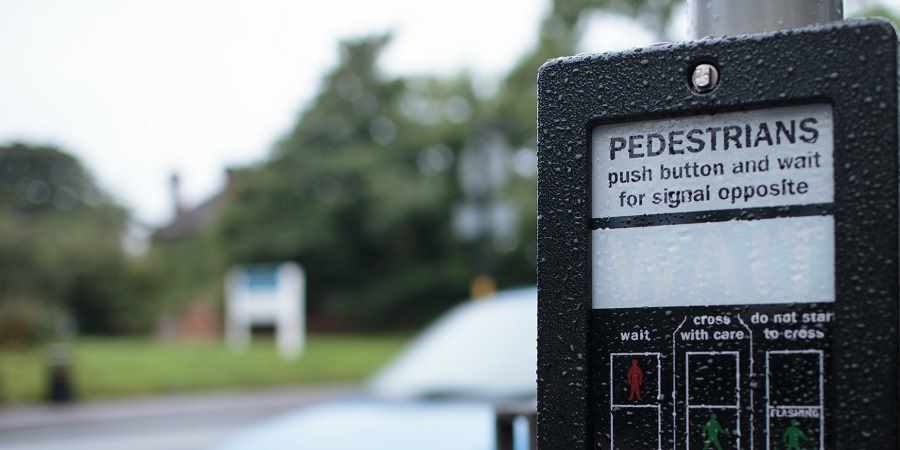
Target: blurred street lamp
[484,170]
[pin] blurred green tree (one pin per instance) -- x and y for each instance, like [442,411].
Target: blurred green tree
[366,193]
[360,193]
[61,244]
[878,10]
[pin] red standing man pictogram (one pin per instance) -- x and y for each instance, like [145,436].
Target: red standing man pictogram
[635,380]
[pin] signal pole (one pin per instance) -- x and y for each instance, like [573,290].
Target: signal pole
[733,17]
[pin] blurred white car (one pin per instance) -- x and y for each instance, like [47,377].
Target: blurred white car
[438,394]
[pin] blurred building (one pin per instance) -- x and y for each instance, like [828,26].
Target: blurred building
[187,222]
[196,314]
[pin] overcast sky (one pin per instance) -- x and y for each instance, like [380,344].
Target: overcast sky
[139,88]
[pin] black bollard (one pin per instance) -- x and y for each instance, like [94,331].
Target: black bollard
[60,386]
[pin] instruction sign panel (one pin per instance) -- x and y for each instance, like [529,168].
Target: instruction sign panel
[738,160]
[714,279]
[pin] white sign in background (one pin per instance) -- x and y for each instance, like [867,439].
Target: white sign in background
[772,261]
[772,157]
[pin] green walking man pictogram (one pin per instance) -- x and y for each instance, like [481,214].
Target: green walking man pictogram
[793,436]
[711,433]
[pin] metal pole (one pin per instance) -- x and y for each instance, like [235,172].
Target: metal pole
[733,17]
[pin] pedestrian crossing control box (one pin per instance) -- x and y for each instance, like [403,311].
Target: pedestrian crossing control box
[718,244]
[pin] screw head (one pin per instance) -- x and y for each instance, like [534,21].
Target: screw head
[705,77]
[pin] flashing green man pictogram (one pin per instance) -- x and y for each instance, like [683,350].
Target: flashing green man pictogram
[711,433]
[793,436]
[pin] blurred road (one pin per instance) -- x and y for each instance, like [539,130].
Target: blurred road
[182,422]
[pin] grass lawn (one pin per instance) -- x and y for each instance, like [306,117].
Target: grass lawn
[124,367]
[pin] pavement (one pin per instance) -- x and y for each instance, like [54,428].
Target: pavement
[172,422]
